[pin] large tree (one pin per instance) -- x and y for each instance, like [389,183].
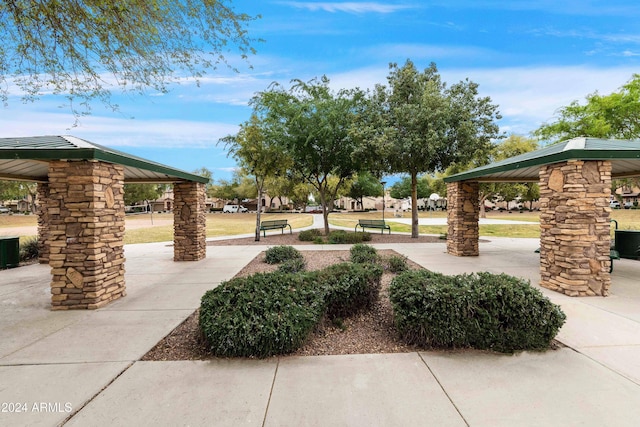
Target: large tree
[402,189]
[310,123]
[137,193]
[83,49]
[423,126]
[16,190]
[365,185]
[616,115]
[258,155]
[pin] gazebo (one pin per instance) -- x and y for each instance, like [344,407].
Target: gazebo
[81,218]
[575,190]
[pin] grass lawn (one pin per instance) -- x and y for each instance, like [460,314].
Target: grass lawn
[140,230]
[218,224]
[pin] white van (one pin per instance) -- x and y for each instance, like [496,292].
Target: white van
[234,209]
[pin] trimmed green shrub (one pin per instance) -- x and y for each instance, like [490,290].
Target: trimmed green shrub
[278,254]
[28,250]
[261,315]
[318,241]
[345,237]
[397,263]
[309,235]
[349,287]
[361,253]
[483,310]
[294,265]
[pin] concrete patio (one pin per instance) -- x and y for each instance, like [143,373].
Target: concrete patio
[82,367]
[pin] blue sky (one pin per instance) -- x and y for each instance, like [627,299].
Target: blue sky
[530,57]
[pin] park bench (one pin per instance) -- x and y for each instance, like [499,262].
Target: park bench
[274,225]
[373,223]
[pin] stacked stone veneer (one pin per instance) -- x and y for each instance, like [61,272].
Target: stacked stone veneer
[574,222]
[42,195]
[463,211]
[85,210]
[189,221]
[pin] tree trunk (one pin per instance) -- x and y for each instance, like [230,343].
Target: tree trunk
[415,231]
[483,212]
[259,210]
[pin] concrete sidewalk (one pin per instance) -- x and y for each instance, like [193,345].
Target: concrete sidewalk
[82,367]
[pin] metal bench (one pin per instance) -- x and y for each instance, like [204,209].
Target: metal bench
[373,223]
[274,225]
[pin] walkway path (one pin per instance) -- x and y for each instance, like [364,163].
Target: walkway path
[83,366]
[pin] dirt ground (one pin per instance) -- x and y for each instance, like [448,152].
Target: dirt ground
[367,332]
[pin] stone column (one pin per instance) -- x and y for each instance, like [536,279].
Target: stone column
[86,231]
[574,227]
[42,198]
[463,211]
[189,221]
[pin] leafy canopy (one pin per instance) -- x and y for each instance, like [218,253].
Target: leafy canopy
[616,115]
[83,48]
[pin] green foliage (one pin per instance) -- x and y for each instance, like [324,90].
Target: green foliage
[137,193]
[361,253]
[484,311]
[402,189]
[602,116]
[397,263]
[273,313]
[318,240]
[71,47]
[365,185]
[310,124]
[309,235]
[349,287]
[278,254]
[29,250]
[337,237]
[261,315]
[293,265]
[419,125]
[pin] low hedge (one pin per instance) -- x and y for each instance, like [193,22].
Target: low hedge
[273,313]
[282,253]
[362,253]
[260,315]
[342,237]
[349,287]
[309,235]
[483,311]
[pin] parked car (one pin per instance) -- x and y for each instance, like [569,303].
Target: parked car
[628,205]
[614,204]
[4,210]
[234,209]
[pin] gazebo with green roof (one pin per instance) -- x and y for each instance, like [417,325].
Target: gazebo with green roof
[575,190]
[81,212]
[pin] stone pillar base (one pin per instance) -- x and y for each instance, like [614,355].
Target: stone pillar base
[574,227]
[189,221]
[463,211]
[86,231]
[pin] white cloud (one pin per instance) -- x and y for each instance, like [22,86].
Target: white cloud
[119,132]
[348,7]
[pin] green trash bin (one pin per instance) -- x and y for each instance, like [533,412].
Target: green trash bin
[9,252]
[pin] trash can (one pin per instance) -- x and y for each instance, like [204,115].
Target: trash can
[628,243]
[9,252]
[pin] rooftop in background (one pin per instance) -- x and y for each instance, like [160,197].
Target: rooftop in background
[25,159]
[623,154]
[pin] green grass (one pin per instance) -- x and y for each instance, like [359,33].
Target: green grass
[139,230]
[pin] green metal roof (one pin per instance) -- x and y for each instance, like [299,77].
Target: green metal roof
[26,159]
[623,154]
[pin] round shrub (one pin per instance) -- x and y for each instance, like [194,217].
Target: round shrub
[294,265]
[28,250]
[278,254]
[397,263]
[261,315]
[361,253]
[483,310]
[309,235]
[348,287]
